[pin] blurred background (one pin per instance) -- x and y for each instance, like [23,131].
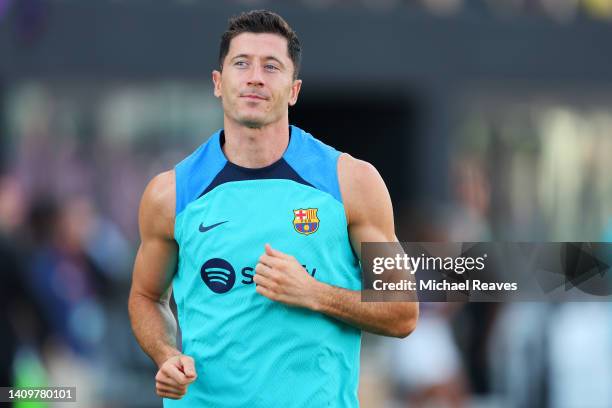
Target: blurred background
[488,119]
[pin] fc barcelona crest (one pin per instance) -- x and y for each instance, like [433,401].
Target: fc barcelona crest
[305,220]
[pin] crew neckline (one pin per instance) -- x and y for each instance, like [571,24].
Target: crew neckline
[292,140]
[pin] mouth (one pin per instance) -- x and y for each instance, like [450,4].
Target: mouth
[254,97]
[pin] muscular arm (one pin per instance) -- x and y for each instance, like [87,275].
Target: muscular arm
[152,320]
[370,219]
[280,276]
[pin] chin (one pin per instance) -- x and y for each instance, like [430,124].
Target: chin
[252,123]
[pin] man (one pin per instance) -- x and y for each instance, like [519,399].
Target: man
[258,232]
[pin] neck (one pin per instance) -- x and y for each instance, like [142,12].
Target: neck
[254,148]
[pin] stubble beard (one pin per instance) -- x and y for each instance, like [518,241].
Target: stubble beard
[257,122]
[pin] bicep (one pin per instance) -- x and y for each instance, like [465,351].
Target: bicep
[157,255]
[368,204]
[154,268]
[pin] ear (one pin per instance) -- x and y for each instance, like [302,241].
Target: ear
[295,91]
[216,77]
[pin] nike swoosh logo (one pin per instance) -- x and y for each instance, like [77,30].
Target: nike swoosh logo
[204,228]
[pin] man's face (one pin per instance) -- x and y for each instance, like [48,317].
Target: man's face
[256,85]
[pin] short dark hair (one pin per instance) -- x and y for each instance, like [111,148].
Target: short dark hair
[262,21]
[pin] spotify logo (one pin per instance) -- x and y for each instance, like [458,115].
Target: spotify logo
[218,275]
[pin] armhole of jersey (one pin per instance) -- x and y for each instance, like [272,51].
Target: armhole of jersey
[179,201]
[318,163]
[176,230]
[315,162]
[194,173]
[344,210]
[343,199]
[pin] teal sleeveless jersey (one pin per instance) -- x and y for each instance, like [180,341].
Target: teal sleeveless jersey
[251,351]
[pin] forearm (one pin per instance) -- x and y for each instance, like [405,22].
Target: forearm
[397,319]
[154,326]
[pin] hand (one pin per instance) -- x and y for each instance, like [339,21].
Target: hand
[174,376]
[280,277]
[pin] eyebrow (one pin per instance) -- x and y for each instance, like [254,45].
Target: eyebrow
[269,57]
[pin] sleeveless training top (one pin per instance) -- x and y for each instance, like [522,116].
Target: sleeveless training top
[251,351]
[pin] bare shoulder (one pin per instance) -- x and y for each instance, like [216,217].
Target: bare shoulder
[355,171]
[157,206]
[363,189]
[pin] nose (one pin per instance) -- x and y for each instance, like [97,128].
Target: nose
[256,76]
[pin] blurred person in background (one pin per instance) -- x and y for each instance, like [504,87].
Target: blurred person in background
[467,218]
[427,369]
[292,338]
[68,285]
[14,296]
[22,321]
[468,222]
[445,358]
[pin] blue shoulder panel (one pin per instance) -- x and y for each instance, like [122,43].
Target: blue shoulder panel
[195,172]
[314,161]
[307,161]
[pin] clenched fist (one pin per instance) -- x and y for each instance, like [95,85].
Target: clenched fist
[280,277]
[174,376]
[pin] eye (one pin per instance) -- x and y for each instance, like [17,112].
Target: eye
[271,67]
[240,64]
